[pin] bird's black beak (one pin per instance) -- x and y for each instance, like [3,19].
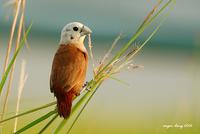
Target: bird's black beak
[85,30]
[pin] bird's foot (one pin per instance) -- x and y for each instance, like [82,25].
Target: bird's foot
[77,94]
[87,89]
[85,85]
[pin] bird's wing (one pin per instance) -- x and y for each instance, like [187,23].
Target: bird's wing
[67,69]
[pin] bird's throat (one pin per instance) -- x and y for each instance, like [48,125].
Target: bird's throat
[81,46]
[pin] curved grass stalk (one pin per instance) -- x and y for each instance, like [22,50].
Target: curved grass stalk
[102,62]
[120,81]
[149,38]
[10,80]
[5,75]
[23,78]
[141,29]
[11,35]
[150,14]
[91,53]
[35,122]
[48,124]
[29,111]
[143,44]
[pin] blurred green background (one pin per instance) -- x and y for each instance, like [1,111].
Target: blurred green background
[166,91]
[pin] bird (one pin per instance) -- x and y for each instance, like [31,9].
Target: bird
[69,66]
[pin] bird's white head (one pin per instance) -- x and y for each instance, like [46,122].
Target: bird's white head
[74,33]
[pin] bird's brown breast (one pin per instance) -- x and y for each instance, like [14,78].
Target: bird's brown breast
[68,69]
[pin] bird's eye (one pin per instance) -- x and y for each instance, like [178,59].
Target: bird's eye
[75,28]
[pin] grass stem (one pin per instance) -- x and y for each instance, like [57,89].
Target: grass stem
[48,124]
[5,102]
[35,122]
[5,75]
[23,78]
[29,111]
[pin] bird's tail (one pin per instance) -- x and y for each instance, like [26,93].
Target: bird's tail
[64,103]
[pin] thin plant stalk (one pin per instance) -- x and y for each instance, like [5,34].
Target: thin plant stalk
[23,78]
[1,130]
[5,102]
[48,124]
[151,35]
[11,35]
[141,29]
[12,31]
[29,111]
[120,81]
[111,49]
[150,14]
[137,50]
[91,53]
[35,122]
[26,41]
[5,75]
[102,62]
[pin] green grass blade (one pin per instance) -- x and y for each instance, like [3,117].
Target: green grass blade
[111,49]
[35,122]
[5,75]
[29,111]
[135,36]
[120,81]
[152,34]
[149,15]
[48,124]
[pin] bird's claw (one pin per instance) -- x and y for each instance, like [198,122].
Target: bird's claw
[85,85]
[87,89]
[77,94]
